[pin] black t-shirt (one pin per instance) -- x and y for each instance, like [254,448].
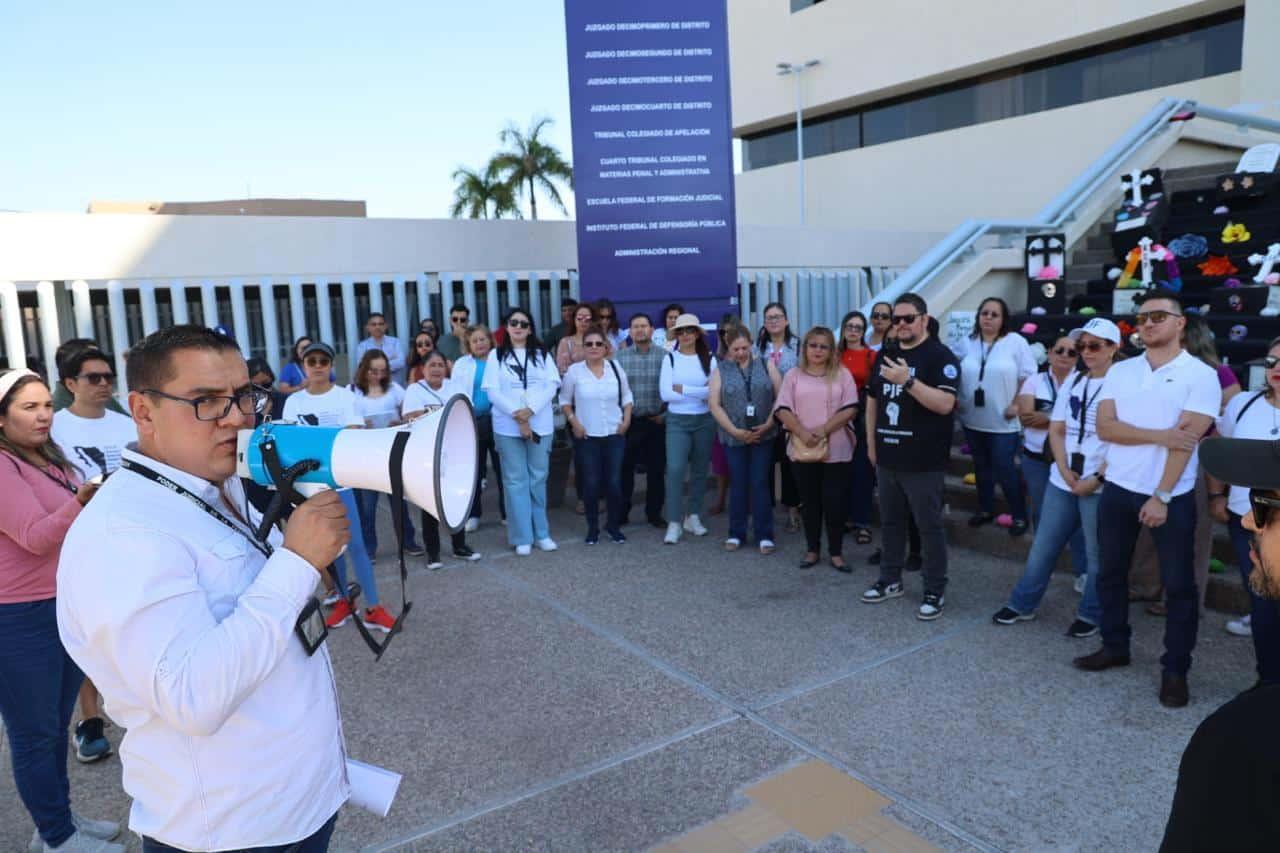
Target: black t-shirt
[909,437]
[1228,795]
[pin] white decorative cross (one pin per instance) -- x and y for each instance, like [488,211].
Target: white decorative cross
[1136,181]
[1268,262]
[1144,245]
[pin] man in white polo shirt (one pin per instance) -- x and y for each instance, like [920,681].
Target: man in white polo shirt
[1153,410]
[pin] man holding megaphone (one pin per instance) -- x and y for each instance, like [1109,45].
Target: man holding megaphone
[186,620]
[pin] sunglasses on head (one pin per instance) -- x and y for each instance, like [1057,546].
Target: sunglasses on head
[98,378]
[1154,317]
[1262,505]
[518,324]
[904,319]
[1065,351]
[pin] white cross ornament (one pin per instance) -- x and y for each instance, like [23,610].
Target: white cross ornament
[1135,181]
[1268,262]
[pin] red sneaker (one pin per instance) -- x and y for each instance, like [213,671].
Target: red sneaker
[378,619]
[339,615]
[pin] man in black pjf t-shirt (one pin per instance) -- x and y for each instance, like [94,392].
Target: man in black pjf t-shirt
[1228,795]
[910,400]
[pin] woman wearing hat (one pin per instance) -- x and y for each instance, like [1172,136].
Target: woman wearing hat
[684,385]
[43,495]
[1075,484]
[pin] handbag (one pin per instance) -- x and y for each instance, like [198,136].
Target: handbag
[801,452]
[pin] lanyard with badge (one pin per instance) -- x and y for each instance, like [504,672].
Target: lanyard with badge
[751,421]
[1077,458]
[979,393]
[522,370]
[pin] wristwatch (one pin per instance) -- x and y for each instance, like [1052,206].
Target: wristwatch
[1162,496]
[906,386]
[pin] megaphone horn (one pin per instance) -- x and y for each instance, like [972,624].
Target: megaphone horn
[438,469]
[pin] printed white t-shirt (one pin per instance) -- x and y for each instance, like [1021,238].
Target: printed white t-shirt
[335,407]
[93,444]
[1077,409]
[1260,420]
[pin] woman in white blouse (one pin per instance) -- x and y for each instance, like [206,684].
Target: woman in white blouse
[684,385]
[378,401]
[596,400]
[521,380]
[994,362]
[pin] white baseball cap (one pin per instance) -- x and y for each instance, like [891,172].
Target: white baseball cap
[1099,327]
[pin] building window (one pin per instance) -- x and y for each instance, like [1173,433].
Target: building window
[1192,51]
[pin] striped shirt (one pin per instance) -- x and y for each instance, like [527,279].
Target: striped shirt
[643,369]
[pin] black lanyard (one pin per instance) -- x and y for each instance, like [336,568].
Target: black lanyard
[986,354]
[66,484]
[521,370]
[1085,402]
[263,548]
[746,377]
[427,388]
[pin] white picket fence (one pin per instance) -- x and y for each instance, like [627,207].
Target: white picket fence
[36,316]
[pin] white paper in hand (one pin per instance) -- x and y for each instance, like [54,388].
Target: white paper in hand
[372,788]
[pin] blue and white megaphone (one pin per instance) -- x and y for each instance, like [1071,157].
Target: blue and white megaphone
[438,466]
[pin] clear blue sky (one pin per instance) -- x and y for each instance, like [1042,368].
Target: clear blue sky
[189,101]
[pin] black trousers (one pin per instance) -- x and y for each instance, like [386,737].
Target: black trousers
[431,537]
[647,445]
[790,488]
[823,488]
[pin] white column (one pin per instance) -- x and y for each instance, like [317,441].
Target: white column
[297,307]
[791,282]
[535,300]
[178,298]
[402,309]
[556,277]
[375,293]
[575,286]
[424,296]
[240,315]
[11,314]
[469,295]
[270,324]
[119,329]
[209,303]
[83,307]
[324,310]
[513,289]
[147,298]
[50,334]
[491,297]
[349,318]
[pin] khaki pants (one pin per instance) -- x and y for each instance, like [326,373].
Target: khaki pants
[1144,577]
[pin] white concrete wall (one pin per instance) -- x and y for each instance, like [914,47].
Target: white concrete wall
[873,50]
[1005,169]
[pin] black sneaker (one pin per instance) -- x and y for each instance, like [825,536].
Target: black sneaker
[465,553]
[414,550]
[592,539]
[617,537]
[914,563]
[881,591]
[1081,629]
[931,607]
[91,744]
[1009,616]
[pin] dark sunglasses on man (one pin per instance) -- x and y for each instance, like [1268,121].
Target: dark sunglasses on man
[1153,317]
[98,378]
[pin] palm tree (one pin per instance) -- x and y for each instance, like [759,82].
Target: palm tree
[474,192]
[529,163]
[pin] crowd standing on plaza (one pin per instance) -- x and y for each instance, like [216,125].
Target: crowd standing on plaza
[1095,454]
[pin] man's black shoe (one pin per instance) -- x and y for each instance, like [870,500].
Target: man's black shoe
[1100,660]
[660,523]
[1173,690]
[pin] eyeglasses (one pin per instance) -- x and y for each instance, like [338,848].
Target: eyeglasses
[880,315]
[1262,506]
[994,314]
[1270,362]
[317,362]
[518,324]
[1069,353]
[904,319]
[770,318]
[817,345]
[215,408]
[593,344]
[1092,346]
[98,378]
[1155,317]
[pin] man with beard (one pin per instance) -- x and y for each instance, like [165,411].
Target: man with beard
[1228,786]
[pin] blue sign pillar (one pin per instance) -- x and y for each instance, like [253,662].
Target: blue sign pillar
[652,154]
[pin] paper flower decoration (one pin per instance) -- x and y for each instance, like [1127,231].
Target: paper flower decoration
[1189,246]
[1004,520]
[1217,265]
[1039,353]
[1088,311]
[1049,272]
[1274,278]
[1221,210]
[1038,311]
[1235,233]
[1113,273]
[971,479]
[1231,282]
[1126,328]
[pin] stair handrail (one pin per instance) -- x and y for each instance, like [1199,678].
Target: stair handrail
[1065,206]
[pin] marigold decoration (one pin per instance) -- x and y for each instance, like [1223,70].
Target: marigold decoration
[1126,328]
[1234,233]
[1217,265]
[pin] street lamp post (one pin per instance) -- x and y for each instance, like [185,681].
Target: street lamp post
[798,68]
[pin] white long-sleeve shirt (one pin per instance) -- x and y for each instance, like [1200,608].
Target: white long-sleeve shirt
[685,371]
[595,401]
[509,392]
[233,734]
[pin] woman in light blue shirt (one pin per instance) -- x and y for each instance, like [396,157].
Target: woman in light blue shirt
[468,378]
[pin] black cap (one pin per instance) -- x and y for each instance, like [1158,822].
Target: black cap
[320,347]
[1249,462]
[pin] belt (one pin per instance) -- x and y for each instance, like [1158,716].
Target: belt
[1031,454]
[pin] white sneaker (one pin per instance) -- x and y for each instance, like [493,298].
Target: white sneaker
[100,829]
[733,543]
[694,525]
[1080,582]
[1242,627]
[524,550]
[82,842]
[435,564]
[673,533]
[767,546]
[547,544]
[472,525]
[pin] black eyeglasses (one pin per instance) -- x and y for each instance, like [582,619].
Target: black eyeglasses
[461,318]
[1092,346]
[1155,317]
[518,324]
[1262,506]
[1069,353]
[770,318]
[98,378]
[214,408]
[593,344]
[903,319]
[880,315]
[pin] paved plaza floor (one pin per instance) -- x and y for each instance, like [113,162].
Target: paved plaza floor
[687,698]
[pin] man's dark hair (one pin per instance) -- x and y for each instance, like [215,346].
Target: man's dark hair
[150,362]
[375,314]
[637,316]
[69,347]
[914,300]
[458,306]
[70,366]
[1161,293]
[567,302]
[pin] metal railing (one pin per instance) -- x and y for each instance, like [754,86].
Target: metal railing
[966,240]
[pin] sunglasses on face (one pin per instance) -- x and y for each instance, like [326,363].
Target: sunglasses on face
[98,378]
[1262,505]
[593,344]
[1154,317]
[461,318]
[1065,351]
[904,319]
[318,362]
[880,315]
[1270,362]
[424,345]
[518,324]
[1092,346]
[686,330]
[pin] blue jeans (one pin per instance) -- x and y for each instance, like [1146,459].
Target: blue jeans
[38,687]
[357,553]
[749,468]
[599,461]
[862,476]
[1265,612]
[367,505]
[1175,546]
[524,483]
[688,450]
[993,462]
[1035,474]
[1063,516]
[317,842]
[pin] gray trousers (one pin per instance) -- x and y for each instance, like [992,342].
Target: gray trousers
[917,494]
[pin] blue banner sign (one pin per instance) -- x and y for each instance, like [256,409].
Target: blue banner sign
[652,154]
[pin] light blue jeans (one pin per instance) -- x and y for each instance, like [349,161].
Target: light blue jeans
[1035,472]
[688,451]
[1060,515]
[524,483]
[357,553]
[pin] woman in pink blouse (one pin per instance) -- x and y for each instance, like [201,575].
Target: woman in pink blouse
[816,403]
[38,681]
